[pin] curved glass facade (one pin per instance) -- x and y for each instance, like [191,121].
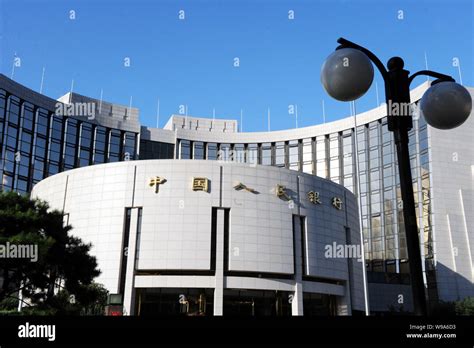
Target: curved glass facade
[36,143]
[374,179]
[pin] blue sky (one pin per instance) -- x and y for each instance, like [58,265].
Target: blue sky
[191,61]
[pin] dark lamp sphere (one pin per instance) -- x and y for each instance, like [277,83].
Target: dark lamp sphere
[446,105]
[347,74]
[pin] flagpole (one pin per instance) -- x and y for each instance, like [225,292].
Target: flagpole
[70,92]
[459,71]
[13,66]
[100,102]
[426,66]
[42,80]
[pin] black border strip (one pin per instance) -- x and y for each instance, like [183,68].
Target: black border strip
[192,272]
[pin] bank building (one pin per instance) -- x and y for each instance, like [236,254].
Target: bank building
[198,218]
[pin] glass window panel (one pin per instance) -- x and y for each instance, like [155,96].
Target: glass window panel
[224,152]
[14,110]
[307,150]
[114,146]
[376,226]
[239,153]
[321,169]
[57,124]
[308,167]
[211,151]
[280,154]
[198,151]
[266,154]
[333,146]
[28,116]
[293,152]
[252,153]
[185,149]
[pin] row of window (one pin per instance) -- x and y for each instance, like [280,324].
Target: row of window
[333,157]
[35,143]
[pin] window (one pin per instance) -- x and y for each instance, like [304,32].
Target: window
[252,153]
[267,154]
[42,122]
[114,145]
[280,154]
[211,151]
[224,152]
[26,140]
[54,151]
[13,110]
[12,136]
[198,151]
[307,148]
[57,128]
[156,150]
[129,146]
[184,149]
[333,146]
[40,147]
[320,148]
[85,145]
[293,154]
[374,134]
[239,153]
[28,116]
[99,145]
[321,169]
[374,159]
[375,202]
[321,161]
[38,170]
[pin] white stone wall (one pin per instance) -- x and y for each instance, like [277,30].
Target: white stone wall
[176,223]
[452,174]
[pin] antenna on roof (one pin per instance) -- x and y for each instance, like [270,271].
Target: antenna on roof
[42,80]
[185,116]
[100,102]
[457,64]
[13,66]
[70,92]
[130,107]
[426,66]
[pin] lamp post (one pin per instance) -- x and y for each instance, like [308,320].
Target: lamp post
[347,75]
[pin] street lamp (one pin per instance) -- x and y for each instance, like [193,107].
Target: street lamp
[347,75]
